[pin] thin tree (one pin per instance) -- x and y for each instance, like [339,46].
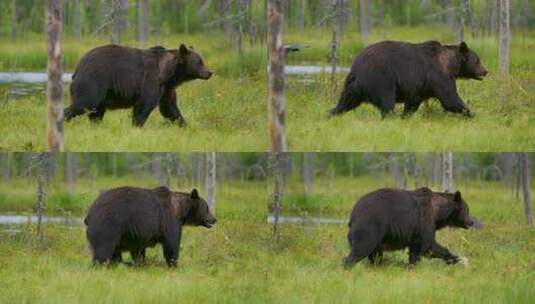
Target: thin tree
[210,180]
[526,183]
[54,89]
[7,167]
[365,19]
[76,22]
[278,180]
[119,20]
[142,9]
[300,9]
[42,172]
[447,172]
[504,38]
[334,41]
[277,99]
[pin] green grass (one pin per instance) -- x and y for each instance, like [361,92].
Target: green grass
[238,262]
[306,266]
[216,265]
[228,112]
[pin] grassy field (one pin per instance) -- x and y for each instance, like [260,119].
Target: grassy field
[306,267]
[238,262]
[216,265]
[228,112]
[498,126]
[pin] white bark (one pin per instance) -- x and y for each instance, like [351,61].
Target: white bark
[447,172]
[54,90]
[210,181]
[504,37]
[277,98]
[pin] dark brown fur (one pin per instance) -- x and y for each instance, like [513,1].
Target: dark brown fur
[132,219]
[392,71]
[117,77]
[392,219]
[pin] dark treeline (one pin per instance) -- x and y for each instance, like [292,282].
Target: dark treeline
[236,17]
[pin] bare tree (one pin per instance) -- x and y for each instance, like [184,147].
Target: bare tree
[42,172]
[119,20]
[451,18]
[526,183]
[334,42]
[277,98]
[210,180]
[54,88]
[504,37]
[300,11]
[447,172]
[365,19]
[76,22]
[142,9]
[278,180]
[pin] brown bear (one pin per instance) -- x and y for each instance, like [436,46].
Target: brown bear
[118,77]
[132,219]
[393,219]
[392,71]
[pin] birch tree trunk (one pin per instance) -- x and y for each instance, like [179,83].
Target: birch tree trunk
[76,22]
[504,38]
[277,163]
[277,99]
[526,190]
[365,19]
[447,172]
[334,42]
[142,10]
[42,171]
[210,181]
[54,90]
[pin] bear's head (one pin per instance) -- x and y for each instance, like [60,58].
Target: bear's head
[454,211]
[470,65]
[193,65]
[199,213]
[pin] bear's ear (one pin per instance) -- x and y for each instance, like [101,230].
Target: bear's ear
[463,48]
[457,197]
[183,50]
[194,194]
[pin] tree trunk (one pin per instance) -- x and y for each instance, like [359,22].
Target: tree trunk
[142,9]
[76,22]
[71,170]
[276,158]
[334,43]
[300,11]
[406,163]
[13,20]
[277,99]
[210,180]
[54,89]
[447,172]
[42,170]
[119,20]
[365,19]
[504,38]
[526,190]
[157,168]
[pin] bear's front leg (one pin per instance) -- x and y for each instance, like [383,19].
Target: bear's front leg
[169,107]
[438,251]
[171,246]
[446,92]
[143,108]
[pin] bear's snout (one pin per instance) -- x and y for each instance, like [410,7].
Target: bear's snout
[205,75]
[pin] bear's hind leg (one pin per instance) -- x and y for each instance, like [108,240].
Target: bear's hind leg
[142,110]
[117,257]
[138,256]
[363,243]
